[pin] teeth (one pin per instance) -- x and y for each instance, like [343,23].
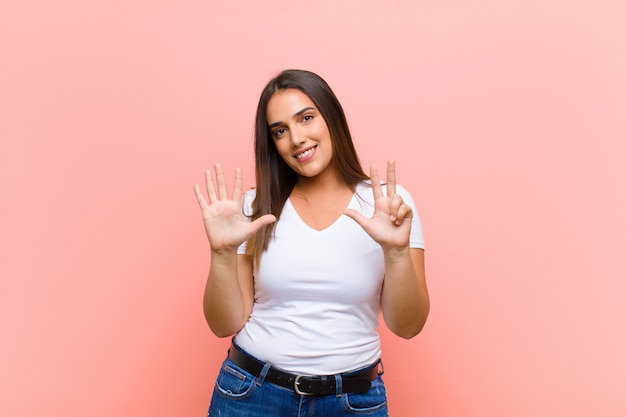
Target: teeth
[304,154]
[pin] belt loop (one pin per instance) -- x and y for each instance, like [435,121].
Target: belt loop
[338,383]
[264,372]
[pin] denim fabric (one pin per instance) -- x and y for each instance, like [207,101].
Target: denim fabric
[239,394]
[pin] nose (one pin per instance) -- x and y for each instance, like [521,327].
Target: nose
[297,136]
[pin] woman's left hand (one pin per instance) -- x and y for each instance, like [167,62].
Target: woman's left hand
[390,225]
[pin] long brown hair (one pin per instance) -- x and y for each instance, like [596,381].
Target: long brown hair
[274,178]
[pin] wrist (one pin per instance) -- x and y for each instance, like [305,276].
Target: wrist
[397,253]
[223,253]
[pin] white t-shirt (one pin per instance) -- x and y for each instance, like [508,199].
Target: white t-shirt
[317,293]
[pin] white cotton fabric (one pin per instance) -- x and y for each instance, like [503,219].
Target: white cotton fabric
[317,293]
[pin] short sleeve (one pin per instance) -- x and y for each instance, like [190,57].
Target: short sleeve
[416,239]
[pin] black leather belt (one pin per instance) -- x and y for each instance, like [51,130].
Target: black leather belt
[306,384]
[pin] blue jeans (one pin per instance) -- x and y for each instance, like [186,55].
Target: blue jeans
[240,394]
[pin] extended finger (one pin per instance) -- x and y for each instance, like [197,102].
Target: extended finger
[200,197]
[221,182]
[391,178]
[376,188]
[210,188]
[238,186]
[260,222]
[357,217]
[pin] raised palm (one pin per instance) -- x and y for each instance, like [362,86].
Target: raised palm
[224,223]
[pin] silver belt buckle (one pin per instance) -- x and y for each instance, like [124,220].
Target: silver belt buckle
[296,386]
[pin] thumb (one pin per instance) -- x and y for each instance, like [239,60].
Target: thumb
[262,221]
[356,216]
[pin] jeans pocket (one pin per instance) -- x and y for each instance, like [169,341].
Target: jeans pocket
[232,382]
[373,402]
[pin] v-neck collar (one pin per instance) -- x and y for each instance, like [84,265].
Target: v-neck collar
[290,206]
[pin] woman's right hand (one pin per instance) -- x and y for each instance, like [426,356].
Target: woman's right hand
[224,223]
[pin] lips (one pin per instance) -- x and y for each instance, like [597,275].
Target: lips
[306,154]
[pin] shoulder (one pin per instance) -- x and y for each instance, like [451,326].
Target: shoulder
[364,189]
[364,193]
[405,194]
[250,194]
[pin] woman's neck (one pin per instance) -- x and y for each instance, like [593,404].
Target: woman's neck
[320,203]
[324,184]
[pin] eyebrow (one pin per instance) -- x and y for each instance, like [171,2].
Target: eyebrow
[304,110]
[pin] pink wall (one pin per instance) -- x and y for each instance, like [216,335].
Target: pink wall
[507,119]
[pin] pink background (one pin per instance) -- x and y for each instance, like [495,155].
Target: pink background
[507,119]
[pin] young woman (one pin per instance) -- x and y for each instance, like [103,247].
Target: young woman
[303,265]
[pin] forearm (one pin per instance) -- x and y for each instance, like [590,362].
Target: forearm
[404,300]
[224,302]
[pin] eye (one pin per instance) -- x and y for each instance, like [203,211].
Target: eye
[307,117]
[279,132]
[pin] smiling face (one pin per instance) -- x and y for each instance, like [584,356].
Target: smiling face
[300,133]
